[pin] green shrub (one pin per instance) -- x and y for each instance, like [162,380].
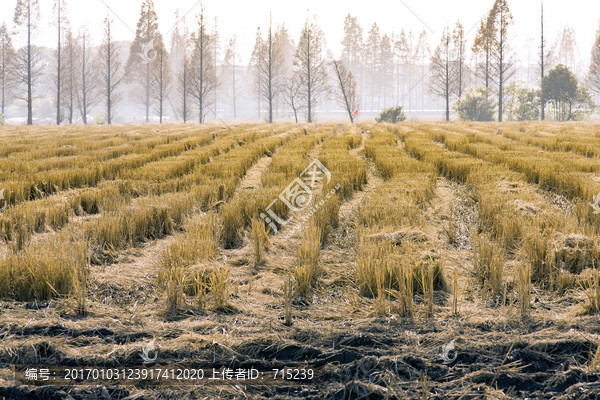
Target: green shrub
[392,114]
[475,105]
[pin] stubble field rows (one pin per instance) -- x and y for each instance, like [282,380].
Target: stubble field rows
[403,239]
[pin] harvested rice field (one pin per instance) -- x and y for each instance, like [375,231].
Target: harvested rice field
[285,261]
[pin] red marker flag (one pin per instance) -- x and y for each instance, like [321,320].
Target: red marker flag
[355,112]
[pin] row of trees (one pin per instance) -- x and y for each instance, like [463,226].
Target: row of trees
[81,75]
[560,92]
[85,78]
[494,67]
[376,70]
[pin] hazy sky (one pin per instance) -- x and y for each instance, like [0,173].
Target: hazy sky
[242,17]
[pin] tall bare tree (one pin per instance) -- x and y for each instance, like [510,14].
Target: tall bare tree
[229,73]
[482,50]
[8,60]
[88,78]
[27,14]
[269,68]
[593,76]
[60,8]
[404,55]
[111,71]
[70,81]
[179,43]
[203,77]
[502,62]
[160,84]
[142,54]
[292,93]
[183,89]
[567,47]
[347,95]
[310,67]
[372,49]
[180,64]
[352,50]
[442,70]
[215,48]
[542,59]
[256,59]
[385,70]
[352,43]
[422,56]
[459,55]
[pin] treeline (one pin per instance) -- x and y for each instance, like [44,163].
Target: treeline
[192,77]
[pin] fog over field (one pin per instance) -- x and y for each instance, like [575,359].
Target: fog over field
[388,47]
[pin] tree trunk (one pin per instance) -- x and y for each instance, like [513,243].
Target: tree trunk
[58,71]
[447,89]
[29,80]
[501,68]
[184,90]
[83,84]
[233,83]
[308,81]
[542,102]
[108,83]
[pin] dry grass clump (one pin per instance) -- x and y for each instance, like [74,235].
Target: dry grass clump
[289,161]
[385,272]
[202,237]
[220,285]
[404,294]
[563,172]
[288,295]
[390,267]
[409,186]
[326,216]
[374,267]
[199,243]
[539,252]
[260,239]
[583,143]
[397,202]
[389,158]
[306,271]
[205,286]
[50,268]
[131,227]
[488,263]
[348,173]
[452,165]
[172,263]
[238,213]
[589,282]
[286,165]
[33,217]
[427,278]
[511,212]
[523,278]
